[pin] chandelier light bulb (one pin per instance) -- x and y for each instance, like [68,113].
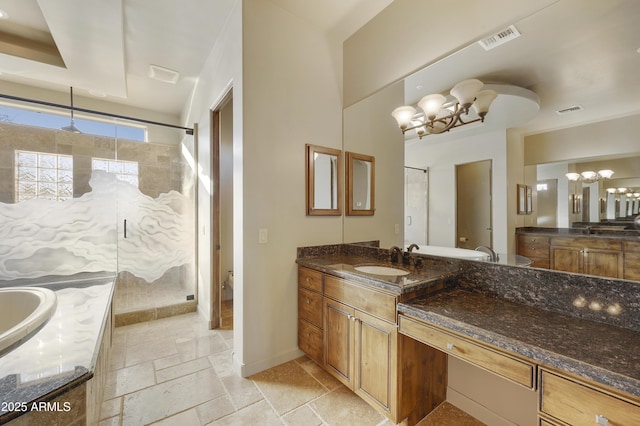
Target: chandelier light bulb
[573,177]
[605,174]
[404,115]
[589,176]
[465,91]
[484,99]
[431,105]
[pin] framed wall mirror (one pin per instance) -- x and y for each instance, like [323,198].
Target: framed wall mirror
[323,181]
[522,199]
[360,184]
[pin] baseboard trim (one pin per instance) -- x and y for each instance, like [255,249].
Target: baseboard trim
[246,370]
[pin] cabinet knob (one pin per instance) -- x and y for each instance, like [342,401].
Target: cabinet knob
[308,301]
[450,346]
[308,335]
[308,279]
[602,420]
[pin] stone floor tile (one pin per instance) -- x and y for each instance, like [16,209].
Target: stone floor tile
[166,399]
[288,386]
[258,414]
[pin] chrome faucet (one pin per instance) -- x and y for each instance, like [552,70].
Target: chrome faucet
[493,256]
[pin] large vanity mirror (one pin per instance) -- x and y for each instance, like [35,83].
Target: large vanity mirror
[598,201]
[360,184]
[323,181]
[556,65]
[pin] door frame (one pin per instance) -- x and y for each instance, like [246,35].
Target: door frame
[215,313]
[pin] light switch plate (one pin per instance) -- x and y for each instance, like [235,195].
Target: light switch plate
[263,236]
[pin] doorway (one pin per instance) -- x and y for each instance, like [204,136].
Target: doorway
[473,205]
[547,192]
[222,214]
[416,204]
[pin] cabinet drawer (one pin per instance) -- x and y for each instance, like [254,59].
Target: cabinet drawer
[310,340]
[371,301]
[310,306]
[575,403]
[310,279]
[587,243]
[633,246]
[533,246]
[513,369]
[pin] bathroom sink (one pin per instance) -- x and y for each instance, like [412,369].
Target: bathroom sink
[22,311]
[381,270]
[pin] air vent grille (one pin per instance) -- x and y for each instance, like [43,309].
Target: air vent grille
[568,110]
[502,37]
[163,74]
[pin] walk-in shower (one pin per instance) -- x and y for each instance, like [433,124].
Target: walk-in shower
[76,203]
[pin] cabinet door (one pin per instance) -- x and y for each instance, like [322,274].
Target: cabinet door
[376,359]
[566,259]
[603,263]
[339,340]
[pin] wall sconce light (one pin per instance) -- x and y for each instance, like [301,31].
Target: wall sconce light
[438,116]
[590,176]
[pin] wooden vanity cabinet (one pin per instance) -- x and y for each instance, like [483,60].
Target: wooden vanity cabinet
[535,248]
[310,313]
[587,256]
[362,348]
[564,400]
[632,260]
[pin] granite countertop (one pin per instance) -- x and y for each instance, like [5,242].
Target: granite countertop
[344,266]
[600,352]
[585,232]
[63,352]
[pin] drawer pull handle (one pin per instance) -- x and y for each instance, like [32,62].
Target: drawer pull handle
[602,420]
[450,346]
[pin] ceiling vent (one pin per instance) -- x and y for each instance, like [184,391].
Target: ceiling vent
[163,74]
[568,110]
[502,37]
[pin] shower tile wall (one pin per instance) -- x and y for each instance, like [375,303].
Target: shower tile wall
[161,169]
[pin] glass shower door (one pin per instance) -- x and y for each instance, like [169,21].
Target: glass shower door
[156,228]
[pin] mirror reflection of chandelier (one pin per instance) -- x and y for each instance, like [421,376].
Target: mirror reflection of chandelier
[590,176]
[439,116]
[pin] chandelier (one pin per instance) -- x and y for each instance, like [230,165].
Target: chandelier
[439,116]
[590,176]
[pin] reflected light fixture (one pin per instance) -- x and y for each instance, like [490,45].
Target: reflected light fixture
[590,176]
[71,127]
[438,116]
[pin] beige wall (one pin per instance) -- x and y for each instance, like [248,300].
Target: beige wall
[369,129]
[604,138]
[285,95]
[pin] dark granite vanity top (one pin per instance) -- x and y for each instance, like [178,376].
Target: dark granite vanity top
[599,231]
[64,351]
[344,266]
[601,352]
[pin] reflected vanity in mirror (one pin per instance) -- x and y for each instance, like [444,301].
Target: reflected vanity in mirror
[324,181]
[360,184]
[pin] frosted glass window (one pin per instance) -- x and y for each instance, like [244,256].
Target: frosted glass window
[126,171]
[43,175]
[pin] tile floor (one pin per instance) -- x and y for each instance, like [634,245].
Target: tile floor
[174,371]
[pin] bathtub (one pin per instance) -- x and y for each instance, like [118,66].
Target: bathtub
[505,259]
[452,252]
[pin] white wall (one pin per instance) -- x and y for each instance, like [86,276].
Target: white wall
[441,157]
